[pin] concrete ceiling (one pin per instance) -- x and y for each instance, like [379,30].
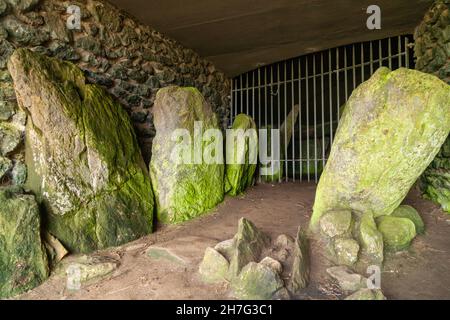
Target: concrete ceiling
[240,35]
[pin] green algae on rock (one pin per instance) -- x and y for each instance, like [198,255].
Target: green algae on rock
[371,239]
[185,188]
[241,155]
[397,232]
[214,266]
[392,127]
[23,260]
[85,166]
[409,212]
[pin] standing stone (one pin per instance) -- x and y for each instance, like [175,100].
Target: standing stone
[346,251]
[249,243]
[23,261]
[83,158]
[185,184]
[242,154]
[371,239]
[300,267]
[392,127]
[336,222]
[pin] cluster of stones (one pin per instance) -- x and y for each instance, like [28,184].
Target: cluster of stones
[359,238]
[87,174]
[256,267]
[354,284]
[432,50]
[130,60]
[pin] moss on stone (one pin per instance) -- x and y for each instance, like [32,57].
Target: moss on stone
[239,172]
[392,127]
[409,212]
[23,260]
[397,232]
[84,162]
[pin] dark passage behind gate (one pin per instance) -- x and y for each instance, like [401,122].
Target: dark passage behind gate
[320,83]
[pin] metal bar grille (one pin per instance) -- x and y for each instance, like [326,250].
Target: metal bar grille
[319,83]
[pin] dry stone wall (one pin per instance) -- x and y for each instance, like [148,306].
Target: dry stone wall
[115,51]
[432,50]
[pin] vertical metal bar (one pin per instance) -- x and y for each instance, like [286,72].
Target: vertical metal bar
[285,118]
[241,94]
[253,94]
[307,118]
[271,108]
[354,66]
[278,113]
[293,123]
[231,103]
[315,118]
[371,58]
[337,81]
[247,92]
[345,74]
[390,53]
[399,51]
[259,107]
[266,100]
[330,95]
[407,52]
[300,117]
[380,53]
[362,62]
[322,108]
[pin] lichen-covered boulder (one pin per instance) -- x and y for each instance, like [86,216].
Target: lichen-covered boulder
[185,184]
[371,239]
[84,162]
[214,266]
[409,212]
[392,127]
[249,242]
[397,232]
[336,222]
[257,281]
[346,251]
[241,155]
[347,280]
[23,261]
[367,294]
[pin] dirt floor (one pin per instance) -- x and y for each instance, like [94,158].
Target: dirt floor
[423,272]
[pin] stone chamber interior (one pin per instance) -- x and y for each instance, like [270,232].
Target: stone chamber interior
[91,206]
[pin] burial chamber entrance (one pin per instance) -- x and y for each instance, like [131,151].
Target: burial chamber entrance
[320,83]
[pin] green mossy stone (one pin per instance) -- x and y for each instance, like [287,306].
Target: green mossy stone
[83,159]
[301,265]
[256,282]
[214,266]
[249,243]
[367,294]
[5,166]
[23,260]
[10,138]
[184,191]
[239,172]
[370,238]
[392,127]
[409,212]
[346,251]
[336,222]
[397,232]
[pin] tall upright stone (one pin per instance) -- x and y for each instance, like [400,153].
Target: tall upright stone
[392,128]
[241,155]
[186,184]
[84,162]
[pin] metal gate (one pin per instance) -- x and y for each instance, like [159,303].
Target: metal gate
[320,83]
